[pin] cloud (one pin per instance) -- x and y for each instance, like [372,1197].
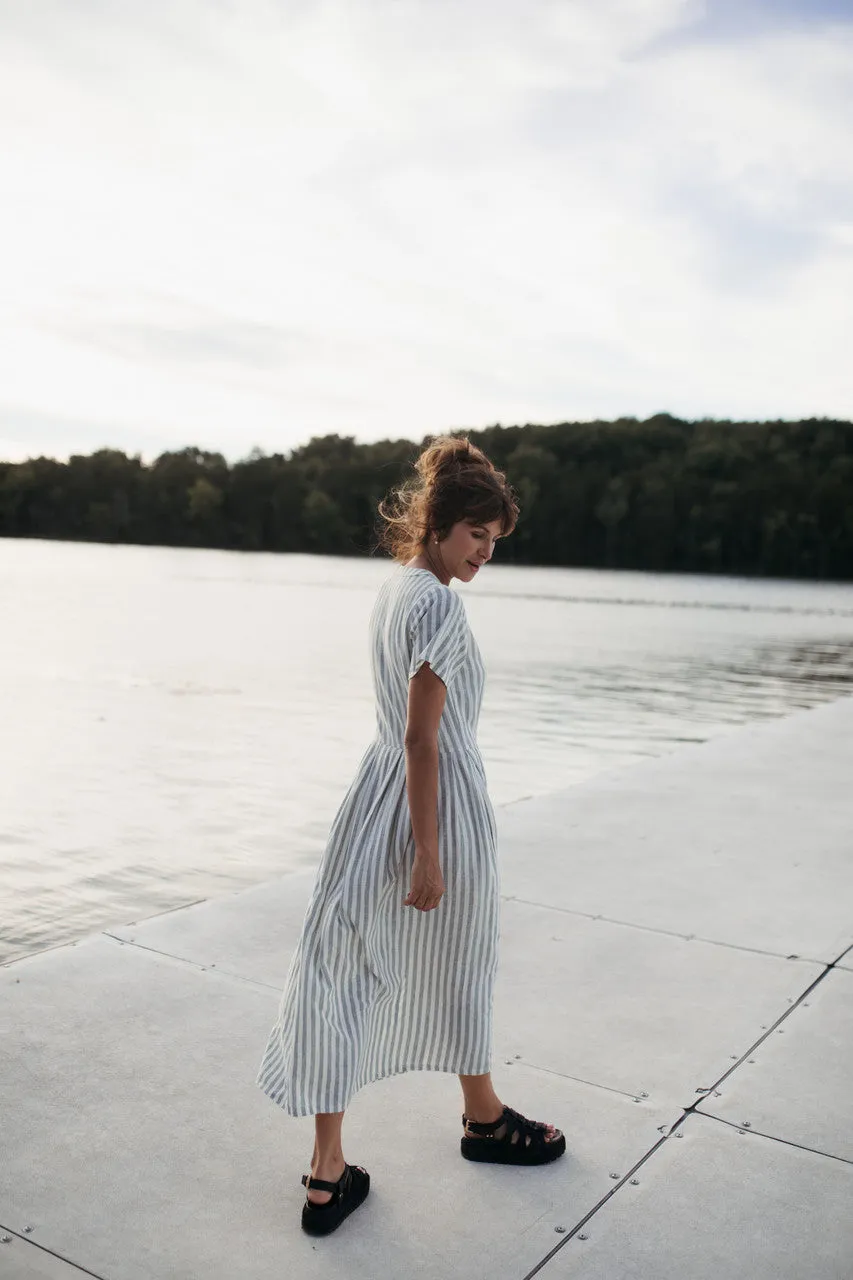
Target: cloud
[26,432]
[170,332]
[252,222]
[739,19]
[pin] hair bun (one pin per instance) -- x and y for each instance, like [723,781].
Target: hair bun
[447,456]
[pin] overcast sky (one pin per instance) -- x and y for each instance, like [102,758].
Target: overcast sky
[239,223]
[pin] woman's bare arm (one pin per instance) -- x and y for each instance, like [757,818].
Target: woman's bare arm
[426,703]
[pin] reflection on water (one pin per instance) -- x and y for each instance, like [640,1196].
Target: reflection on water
[826,664]
[177,724]
[641,602]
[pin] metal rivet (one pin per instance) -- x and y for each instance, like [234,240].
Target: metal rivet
[638,1099]
[644,1095]
[751,1061]
[805,1004]
[781,1031]
[717,1093]
[29,1229]
[635,1182]
[747,1124]
[560,1229]
[741,1130]
[733,1056]
[582,1236]
[518,1055]
[5,1239]
[679,1134]
[616,1175]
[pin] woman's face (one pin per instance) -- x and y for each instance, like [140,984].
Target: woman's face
[468,547]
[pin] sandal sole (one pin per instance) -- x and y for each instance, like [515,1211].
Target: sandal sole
[321,1222]
[476,1149]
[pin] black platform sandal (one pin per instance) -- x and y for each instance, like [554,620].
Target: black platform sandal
[523,1141]
[347,1194]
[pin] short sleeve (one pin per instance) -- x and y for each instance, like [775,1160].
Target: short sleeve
[438,633]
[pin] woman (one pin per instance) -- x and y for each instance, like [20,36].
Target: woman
[395,964]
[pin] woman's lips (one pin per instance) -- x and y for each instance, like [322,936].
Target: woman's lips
[473,566]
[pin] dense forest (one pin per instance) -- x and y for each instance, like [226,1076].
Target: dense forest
[768,498]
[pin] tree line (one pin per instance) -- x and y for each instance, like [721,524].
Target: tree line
[766,498]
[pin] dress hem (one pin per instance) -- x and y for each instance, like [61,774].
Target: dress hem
[299,1113]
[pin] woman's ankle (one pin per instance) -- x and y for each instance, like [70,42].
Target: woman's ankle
[330,1171]
[485,1112]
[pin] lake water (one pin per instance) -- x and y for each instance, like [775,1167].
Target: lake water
[176,724]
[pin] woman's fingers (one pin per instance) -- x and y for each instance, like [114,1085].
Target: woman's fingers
[427,885]
[422,902]
[426,888]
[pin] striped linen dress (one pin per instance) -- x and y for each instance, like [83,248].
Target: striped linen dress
[375,988]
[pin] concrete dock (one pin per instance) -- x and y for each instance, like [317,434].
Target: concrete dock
[675,993]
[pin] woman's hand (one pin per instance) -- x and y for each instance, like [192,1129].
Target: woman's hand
[427,883]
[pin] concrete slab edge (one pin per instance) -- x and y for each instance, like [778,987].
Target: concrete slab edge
[167,911]
[694,1109]
[673,933]
[749,1129]
[630,1178]
[769,1030]
[605,779]
[11,1238]
[564,1075]
[193,964]
[577,1229]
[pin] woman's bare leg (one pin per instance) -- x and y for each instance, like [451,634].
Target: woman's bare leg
[482,1104]
[327,1161]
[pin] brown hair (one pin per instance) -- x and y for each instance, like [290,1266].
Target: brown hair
[455,481]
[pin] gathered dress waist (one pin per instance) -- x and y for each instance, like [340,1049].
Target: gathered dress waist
[465,749]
